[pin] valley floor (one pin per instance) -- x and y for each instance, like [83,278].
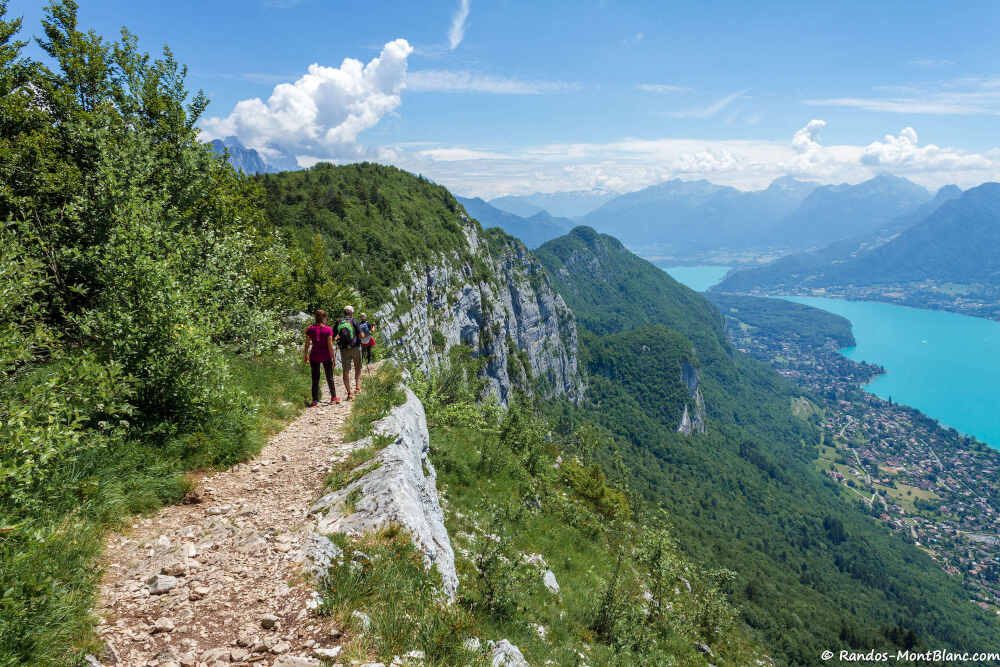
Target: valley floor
[219,578]
[930,483]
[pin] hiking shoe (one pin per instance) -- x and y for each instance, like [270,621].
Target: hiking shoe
[357,388]
[335,399]
[349,396]
[314,404]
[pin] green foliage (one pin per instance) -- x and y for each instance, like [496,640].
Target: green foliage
[382,392]
[383,576]
[139,290]
[811,570]
[361,224]
[542,492]
[795,321]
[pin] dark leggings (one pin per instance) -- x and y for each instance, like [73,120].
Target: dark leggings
[328,369]
[366,354]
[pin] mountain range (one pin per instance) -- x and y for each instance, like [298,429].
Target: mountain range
[571,204]
[534,229]
[954,243]
[689,217]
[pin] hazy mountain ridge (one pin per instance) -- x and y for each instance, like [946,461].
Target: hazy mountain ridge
[691,216]
[569,204]
[533,230]
[953,243]
[834,212]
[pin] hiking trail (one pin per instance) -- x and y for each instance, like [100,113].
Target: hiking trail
[219,579]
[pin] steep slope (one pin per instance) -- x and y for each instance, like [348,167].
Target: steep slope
[812,570]
[430,274]
[572,204]
[683,217]
[533,230]
[957,243]
[835,212]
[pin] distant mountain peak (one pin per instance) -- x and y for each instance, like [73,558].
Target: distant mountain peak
[244,159]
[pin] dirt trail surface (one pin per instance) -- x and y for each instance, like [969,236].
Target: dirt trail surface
[220,580]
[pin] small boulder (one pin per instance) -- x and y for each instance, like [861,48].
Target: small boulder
[159,584]
[472,644]
[163,624]
[297,661]
[505,654]
[327,653]
[268,621]
[549,579]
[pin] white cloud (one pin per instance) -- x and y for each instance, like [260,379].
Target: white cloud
[710,110]
[462,81]
[323,112]
[459,22]
[902,105]
[902,152]
[458,154]
[958,97]
[633,163]
[662,88]
[807,138]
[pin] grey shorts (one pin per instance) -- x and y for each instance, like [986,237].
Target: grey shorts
[350,356]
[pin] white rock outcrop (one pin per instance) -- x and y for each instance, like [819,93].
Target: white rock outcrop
[496,298]
[399,488]
[505,654]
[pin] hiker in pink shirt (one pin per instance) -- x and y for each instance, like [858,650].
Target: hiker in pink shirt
[318,351]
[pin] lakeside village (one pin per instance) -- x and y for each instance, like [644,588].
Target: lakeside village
[934,485]
[975,300]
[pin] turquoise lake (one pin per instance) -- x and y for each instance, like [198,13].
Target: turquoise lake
[698,278]
[944,364]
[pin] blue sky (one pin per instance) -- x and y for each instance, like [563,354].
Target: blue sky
[497,97]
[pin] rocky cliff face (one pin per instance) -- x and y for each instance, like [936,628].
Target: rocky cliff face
[693,419]
[495,298]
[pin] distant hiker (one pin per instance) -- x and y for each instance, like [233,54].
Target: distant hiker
[350,349]
[318,351]
[366,336]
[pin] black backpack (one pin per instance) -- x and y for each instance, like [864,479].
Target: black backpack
[347,333]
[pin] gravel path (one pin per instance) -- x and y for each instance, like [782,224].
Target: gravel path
[219,580]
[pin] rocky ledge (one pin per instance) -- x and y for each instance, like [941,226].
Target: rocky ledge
[398,487]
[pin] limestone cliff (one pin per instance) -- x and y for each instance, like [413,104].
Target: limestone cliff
[693,420]
[397,487]
[494,297]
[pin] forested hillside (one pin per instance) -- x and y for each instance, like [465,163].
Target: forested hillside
[143,288]
[811,569]
[139,315]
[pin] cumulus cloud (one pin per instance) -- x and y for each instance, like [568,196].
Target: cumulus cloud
[459,22]
[631,164]
[902,152]
[323,112]
[462,81]
[807,138]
